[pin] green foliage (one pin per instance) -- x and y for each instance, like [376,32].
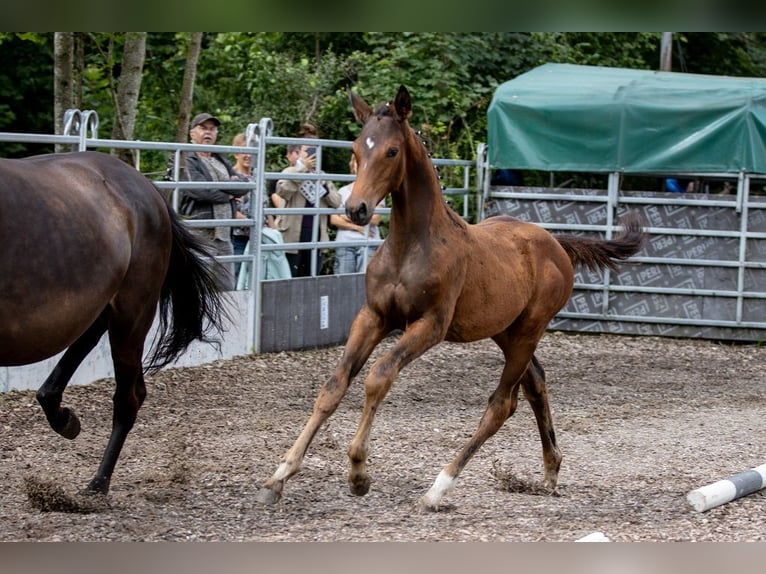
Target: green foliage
[26,90]
[294,78]
[161,86]
[451,75]
[729,54]
[639,50]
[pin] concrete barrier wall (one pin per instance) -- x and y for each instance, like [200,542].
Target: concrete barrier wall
[309,312]
[296,314]
[98,364]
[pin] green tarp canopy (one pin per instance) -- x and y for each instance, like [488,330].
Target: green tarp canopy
[563,117]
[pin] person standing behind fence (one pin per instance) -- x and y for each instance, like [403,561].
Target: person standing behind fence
[298,228]
[243,170]
[292,154]
[353,259]
[211,202]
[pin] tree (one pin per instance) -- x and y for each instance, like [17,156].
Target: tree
[187,92]
[128,89]
[63,88]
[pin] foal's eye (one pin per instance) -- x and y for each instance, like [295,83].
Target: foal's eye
[392,151]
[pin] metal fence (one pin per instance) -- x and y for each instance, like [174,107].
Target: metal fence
[81,133]
[701,274]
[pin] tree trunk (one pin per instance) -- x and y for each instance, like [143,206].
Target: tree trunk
[79,68]
[63,54]
[187,91]
[666,52]
[128,89]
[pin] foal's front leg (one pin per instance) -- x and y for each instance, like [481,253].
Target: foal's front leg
[416,340]
[366,332]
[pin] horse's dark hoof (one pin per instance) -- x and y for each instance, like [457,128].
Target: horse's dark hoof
[71,427]
[267,496]
[99,485]
[359,486]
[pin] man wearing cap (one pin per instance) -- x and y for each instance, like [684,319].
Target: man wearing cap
[211,202]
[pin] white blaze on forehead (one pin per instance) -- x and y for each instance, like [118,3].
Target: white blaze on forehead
[370,142]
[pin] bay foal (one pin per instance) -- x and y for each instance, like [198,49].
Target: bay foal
[438,278]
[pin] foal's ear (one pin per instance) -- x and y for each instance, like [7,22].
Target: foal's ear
[403,103]
[361,110]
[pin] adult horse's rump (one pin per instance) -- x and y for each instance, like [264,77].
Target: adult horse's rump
[90,246]
[438,278]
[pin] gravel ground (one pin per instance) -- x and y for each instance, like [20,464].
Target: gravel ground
[640,422]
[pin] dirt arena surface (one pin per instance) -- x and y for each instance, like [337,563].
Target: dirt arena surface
[640,422]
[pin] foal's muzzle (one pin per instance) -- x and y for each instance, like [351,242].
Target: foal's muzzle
[359,213]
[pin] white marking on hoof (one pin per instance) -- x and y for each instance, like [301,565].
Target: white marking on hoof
[443,484]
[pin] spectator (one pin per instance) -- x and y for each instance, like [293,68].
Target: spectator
[211,202]
[292,154]
[296,194]
[353,259]
[243,170]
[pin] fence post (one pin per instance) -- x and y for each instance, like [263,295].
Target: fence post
[78,122]
[257,134]
[743,197]
[482,179]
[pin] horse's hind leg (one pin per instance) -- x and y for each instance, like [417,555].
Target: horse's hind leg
[533,384]
[63,420]
[129,395]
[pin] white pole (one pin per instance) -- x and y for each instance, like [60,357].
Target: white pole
[729,489]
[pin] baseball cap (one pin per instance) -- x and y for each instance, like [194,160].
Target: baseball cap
[202,118]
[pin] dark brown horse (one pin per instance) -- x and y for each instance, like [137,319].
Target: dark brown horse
[90,246]
[438,278]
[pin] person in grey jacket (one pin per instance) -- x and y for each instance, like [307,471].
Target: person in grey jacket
[211,202]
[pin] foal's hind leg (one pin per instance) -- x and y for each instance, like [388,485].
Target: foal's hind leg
[533,384]
[502,404]
[63,420]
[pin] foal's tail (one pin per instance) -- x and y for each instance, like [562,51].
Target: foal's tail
[600,254]
[190,303]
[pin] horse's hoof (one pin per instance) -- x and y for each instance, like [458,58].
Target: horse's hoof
[550,484]
[99,485]
[71,428]
[267,496]
[425,505]
[359,486]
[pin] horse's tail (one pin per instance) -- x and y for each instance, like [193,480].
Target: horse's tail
[190,303]
[600,254]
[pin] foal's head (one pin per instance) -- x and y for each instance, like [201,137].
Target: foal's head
[380,153]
